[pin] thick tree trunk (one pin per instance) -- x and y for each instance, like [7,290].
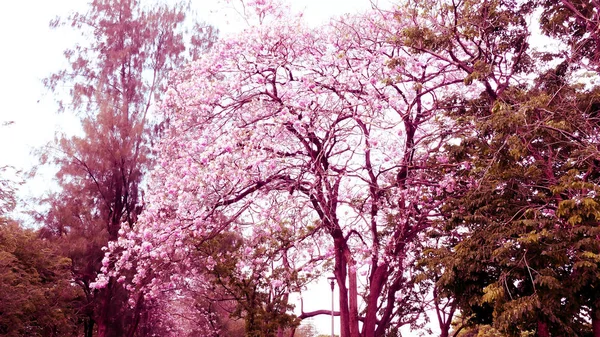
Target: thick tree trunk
[137,316]
[340,276]
[542,329]
[103,316]
[445,326]
[285,299]
[596,321]
[343,303]
[353,300]
[101,329]
[88,327]
[375,286]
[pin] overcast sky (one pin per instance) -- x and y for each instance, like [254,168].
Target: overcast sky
[31,51]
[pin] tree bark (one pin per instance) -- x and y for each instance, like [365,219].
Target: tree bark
[101,329]
[88,327]
[340,276]
[353,300]
[542,329]
[137,315]
[596,321]
[375,286]
[103,318]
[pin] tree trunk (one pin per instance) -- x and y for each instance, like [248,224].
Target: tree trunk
[353,300]
[343,303]
[88,327]
[542,329]
[376,283]
[136,316]
[595,321]
[101,329]
[340,277]
[104,310]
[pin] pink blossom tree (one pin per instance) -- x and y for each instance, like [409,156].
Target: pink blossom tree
[312,145]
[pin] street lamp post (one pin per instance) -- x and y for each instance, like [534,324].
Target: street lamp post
[332,282]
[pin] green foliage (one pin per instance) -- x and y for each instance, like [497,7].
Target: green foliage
[36,293]
[484,330]
[263,307]
[530,220]
[516,249]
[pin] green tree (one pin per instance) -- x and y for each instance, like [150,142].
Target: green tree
[516,248]
[36,293]
[257,300]
[533,211]
[486,42]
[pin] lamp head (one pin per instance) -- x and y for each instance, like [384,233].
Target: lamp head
[331,281]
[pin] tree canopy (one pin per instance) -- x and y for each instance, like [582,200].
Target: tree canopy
[432,156]
[366,136]
[115,77]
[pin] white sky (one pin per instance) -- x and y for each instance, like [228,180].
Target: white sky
[32,51]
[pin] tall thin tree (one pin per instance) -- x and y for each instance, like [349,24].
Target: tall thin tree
[113,79]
